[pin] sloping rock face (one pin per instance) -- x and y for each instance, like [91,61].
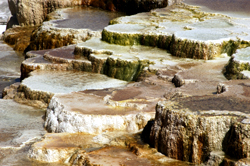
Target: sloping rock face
[30,13]
[18,37]
[193,136]
[237,140]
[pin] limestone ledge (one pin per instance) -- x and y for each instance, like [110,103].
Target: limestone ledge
[43,60]
[48,36]
[32,97]
[125,62]
[59,119]
[238,66]
[121,62]
[41,85]
[191,136]
[30,65]
[184,31]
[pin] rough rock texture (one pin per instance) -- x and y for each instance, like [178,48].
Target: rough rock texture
[120,62]
[33,12]
[184,31]
[26,93]
[108,148]
[48,36]
[190,136]
[35,61]
[18,37]
[94,55]
[9,92]
[237,141]
[238,64]
[62,116]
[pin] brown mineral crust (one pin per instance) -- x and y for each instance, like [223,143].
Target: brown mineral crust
[236,143]
[103,92]
[18,37]
[186,136]
[215,102]
[32,54]
[96,105]
[246,89]
[116,156]
[126,94]
[44,40]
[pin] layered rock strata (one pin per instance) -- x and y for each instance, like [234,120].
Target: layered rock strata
[60,59]
[45,90]
[184,31]
[184,127]
[104,112]
[187,135]
[121,62]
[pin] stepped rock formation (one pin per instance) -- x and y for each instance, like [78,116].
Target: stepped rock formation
[201,117]
[184,31]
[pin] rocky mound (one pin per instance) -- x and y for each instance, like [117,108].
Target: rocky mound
[238,66]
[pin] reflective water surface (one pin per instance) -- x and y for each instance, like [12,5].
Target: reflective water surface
[10,62]
[87,18]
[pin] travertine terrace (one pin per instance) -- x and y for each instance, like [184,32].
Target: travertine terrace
[159,76]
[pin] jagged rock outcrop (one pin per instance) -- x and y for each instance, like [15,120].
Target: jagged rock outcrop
[190,136]
[18,37]
[237,140]
[33,12]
